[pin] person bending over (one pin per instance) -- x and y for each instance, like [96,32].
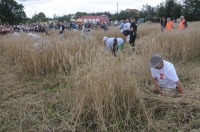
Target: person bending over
[165,77]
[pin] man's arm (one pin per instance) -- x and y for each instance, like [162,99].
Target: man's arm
[185,23]
[180,87]
[131,28]
[155,81]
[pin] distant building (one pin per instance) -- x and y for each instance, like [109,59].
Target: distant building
[95,19]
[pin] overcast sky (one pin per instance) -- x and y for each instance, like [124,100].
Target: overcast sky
[65,7]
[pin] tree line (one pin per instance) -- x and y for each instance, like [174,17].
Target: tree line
[13,13]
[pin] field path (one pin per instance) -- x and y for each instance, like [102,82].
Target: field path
[15,97]
[10,84]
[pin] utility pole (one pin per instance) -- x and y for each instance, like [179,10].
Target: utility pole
[117,8]
[117,11]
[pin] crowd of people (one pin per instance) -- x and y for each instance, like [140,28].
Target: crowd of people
[129,30]
[164,75]
[41,27]
[4,29]
[170,24]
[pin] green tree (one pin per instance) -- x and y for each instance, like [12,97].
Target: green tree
[160,10]
[169,7]
[191,10]
[78,14]
[11,12]
[41,17]
[68,18]
[173,9]
[148,11]
[62,18]
[125,14]
[177,11]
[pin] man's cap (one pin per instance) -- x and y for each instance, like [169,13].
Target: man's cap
[155,60]
[105,38]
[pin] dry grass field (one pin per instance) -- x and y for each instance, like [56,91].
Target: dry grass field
[71,84]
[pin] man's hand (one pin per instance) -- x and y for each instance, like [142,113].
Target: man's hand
[180,87]
[155,81]
[160,92]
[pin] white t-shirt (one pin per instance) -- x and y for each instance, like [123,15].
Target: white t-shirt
[127,26]
[166,76]
[109,42]
[35,36]
[60,28]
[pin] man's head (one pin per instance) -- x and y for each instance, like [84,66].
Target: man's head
[182,18]
[132,19]
[105,38]
[168,19]
[163,18]
[156,61]
[127,20]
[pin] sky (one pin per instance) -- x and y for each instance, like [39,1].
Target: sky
[65,7]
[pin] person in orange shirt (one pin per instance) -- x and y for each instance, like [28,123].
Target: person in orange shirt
[183,23]
[169,25]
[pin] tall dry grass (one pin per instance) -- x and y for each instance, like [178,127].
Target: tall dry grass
[99,92]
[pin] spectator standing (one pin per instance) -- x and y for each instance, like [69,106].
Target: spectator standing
[163,24]
[127,26]
[61,27]
[121,26]
[133,32]
[169,24]
[104,26]
[183,23]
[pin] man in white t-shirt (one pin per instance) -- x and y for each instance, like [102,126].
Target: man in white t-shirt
[113,44]
[127,27]
[164,77]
